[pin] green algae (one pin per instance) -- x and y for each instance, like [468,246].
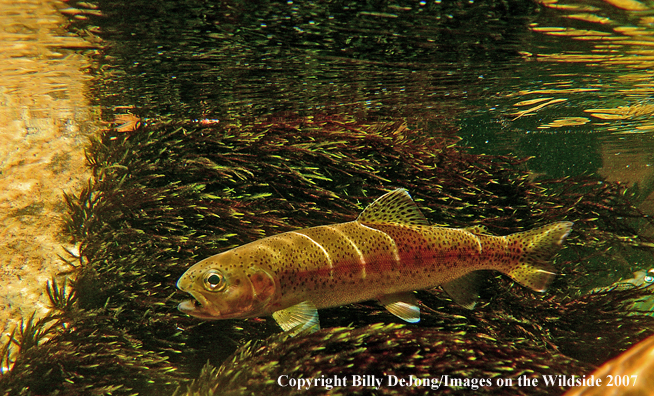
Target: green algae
[171,193]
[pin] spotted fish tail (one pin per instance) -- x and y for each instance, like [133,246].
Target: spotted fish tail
[532,267]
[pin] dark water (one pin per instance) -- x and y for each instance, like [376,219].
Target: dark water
[467,65]
[568,84]
[263,57]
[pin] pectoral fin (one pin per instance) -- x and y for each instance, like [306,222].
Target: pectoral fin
[402,305]
[464,290]
[298,318]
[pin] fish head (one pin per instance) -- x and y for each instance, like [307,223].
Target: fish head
[226,289]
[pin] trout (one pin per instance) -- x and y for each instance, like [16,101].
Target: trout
[386,254]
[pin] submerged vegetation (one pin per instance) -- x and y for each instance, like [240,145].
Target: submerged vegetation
[375,350]
[169,194]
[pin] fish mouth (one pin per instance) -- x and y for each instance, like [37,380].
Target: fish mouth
[198,307]
[188,306]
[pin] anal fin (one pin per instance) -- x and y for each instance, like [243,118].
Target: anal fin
[298,318]
[464,290]
[403,305]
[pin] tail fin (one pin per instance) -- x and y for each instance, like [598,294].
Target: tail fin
[533,268]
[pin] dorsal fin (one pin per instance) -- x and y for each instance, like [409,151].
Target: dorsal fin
[395,207]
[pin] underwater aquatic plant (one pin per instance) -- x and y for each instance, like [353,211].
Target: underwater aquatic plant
[73,351]
[171,193]
[388,352]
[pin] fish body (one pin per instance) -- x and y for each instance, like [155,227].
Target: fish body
[389,251]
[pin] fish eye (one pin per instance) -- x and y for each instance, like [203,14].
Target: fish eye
[214,281]
[649,279]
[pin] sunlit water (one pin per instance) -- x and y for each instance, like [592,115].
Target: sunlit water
[45,119]
[581,100]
